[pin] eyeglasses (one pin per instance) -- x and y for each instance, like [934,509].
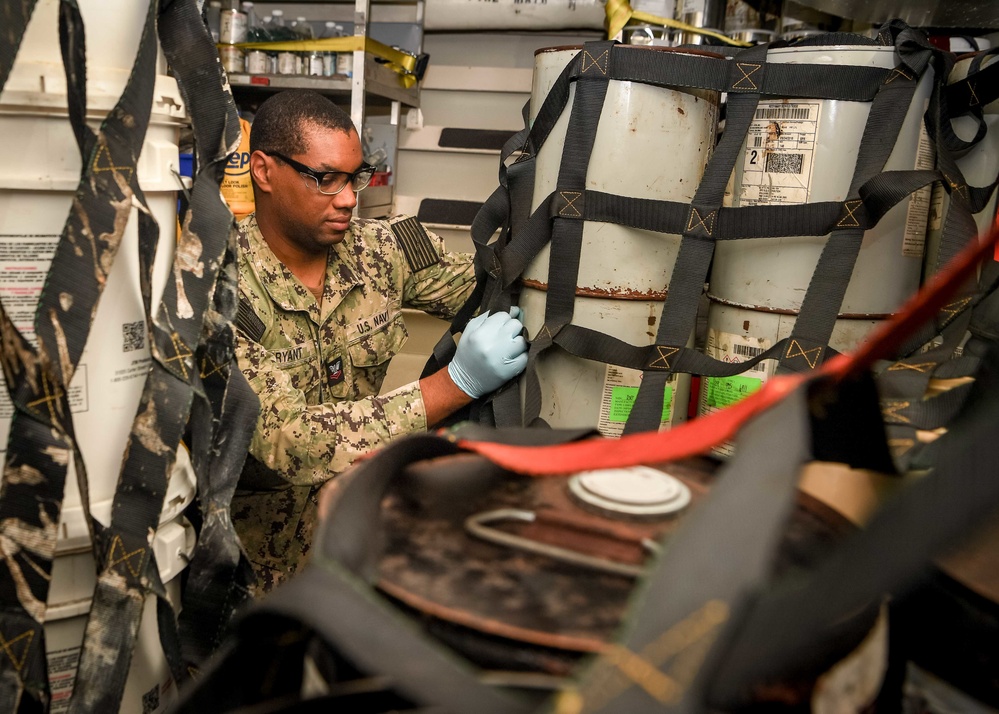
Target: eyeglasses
[329,182]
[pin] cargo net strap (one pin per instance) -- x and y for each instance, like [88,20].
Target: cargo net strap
[694,640]
[42,440]
[508,235]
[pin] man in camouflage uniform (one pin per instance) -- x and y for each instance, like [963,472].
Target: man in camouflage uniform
[320,318]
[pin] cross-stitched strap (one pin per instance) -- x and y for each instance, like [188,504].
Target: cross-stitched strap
[676,321]
[824,296]
[41,433]
[566,228]
[124,556]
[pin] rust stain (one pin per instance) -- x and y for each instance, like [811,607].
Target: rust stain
[616,294]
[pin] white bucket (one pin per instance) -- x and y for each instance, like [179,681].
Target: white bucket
[979,166]
[810,147]
[39,174]
[736,334]
[623,272]
[150,687]
[37,183]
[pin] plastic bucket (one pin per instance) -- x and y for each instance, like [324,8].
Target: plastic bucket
[623,272]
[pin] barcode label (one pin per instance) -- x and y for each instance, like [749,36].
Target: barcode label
[748,352]
[781,112]
[779,154]
[784,163]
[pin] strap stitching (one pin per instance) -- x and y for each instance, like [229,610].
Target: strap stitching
[6,646]
[603,58]
[955,307]
[850,207]
[126,558]
[804,353]
[890,411]
[664,354]
[104,151]
[746,76]
[922,367]
[895,74]
[973,101]
[707,222]
[569,203]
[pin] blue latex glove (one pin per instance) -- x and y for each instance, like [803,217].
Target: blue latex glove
[490,353]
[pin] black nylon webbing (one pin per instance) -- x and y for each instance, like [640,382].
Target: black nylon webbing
[824,296]
[676,321]
[566,228]
[873,193]
[167,398]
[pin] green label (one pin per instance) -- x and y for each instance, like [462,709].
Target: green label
[623,398]
[723,391]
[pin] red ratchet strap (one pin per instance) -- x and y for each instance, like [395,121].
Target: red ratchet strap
[698,436]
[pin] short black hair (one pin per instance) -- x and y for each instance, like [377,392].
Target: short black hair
[279,121]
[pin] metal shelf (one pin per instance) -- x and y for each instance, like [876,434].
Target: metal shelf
[379,83]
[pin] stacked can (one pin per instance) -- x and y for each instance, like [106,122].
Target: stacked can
[232,31]
[804,151]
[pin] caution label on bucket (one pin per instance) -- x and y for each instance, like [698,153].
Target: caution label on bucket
[719,392]
[618,397]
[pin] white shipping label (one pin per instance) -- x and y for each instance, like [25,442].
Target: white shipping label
[780,153]
[918,213]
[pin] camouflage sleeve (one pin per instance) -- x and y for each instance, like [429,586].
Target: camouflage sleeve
[442,288]
[309,444]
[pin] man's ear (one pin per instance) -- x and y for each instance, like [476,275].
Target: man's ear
[260,171]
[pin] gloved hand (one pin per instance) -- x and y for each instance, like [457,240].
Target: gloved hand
[490,353]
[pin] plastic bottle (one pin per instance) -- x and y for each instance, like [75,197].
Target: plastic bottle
[303,31]
[257,61]
[344,60]
[213,15]
[287,62]
[329,58]
[237,187]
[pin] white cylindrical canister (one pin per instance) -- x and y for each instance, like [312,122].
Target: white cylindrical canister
[804,151]
[979,165]
[37,186]
[623,272]
[736,334]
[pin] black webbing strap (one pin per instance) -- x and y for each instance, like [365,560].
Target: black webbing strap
[596,59]
[125,558]
[41,433]
[225,409]
[679,312]
[887,556]
[220,577]
[824,296]
[980,87]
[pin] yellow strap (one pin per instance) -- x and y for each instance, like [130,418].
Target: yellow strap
[400,62]
[619,13]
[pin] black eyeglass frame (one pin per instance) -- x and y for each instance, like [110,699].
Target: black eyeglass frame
[318,176]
